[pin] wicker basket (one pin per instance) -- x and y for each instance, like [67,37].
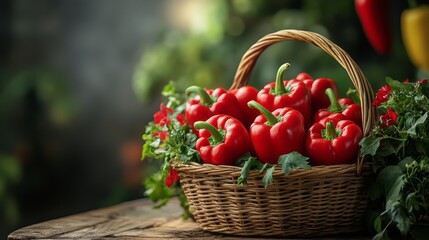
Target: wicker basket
[325,200]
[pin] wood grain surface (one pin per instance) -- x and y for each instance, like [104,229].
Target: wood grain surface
[130,220]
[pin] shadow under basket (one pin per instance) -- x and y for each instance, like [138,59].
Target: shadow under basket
[325,200]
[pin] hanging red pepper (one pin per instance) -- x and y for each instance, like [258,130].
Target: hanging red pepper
[222,140]
[276,133]
[281,93]
[207,103]
[317,88]
[332,141]
[375,20]
[244,95]
[343,108]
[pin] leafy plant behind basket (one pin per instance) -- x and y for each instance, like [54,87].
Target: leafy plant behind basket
[399,145]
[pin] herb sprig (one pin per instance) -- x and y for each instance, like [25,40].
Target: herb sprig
[169,139]
[286,162]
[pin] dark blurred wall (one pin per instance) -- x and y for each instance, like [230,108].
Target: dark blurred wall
[90,158]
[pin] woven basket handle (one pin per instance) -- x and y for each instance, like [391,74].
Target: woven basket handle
[353,70]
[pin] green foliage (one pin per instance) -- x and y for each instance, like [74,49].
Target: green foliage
[10,175]
[400,158]
[293,160]
[247,163]
[179,144]
[169,139]
[209,57]
[287,162]
[156,190]
[49,87]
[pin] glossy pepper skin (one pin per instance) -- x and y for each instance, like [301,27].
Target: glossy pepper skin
[292,93]
[415,34]
[317,88]
[244,95]
[332,141]
[276,133]
[222,139]
[343,108]
[207,103]
[375,21]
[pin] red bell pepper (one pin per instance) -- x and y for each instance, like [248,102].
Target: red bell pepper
[207,103]
[375,20]
[282,93]
[222,139]
[317,88]
[332,141]
[343,108]
[276,133]
[244,95]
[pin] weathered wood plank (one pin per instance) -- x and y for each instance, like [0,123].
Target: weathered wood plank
[110,227]
[55,227]
[174,228]
[131,220]
[138,213]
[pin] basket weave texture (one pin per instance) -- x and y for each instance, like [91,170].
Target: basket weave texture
[325,200]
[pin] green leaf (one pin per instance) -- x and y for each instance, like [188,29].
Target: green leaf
[377,224]
[369,145]
[268,177]
[263,167]
[156,143]
[421,120]
[249,163]
[399,215]
[353,94]
[156,190]
[395,84]
[169,89]
[411,202]
[395,190]
[293,160]
[388,177]
[403,162]
[163,202]
[381,235]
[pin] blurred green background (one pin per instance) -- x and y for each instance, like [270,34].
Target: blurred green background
[81,79]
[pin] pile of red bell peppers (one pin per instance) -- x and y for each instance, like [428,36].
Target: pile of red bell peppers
[301,115]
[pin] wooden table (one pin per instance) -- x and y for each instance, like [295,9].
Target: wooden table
[130,220]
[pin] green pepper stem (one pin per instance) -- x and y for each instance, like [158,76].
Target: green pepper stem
[205,97]
[217,136]
[280,86]
[272,120]
[330,131]
[335,106]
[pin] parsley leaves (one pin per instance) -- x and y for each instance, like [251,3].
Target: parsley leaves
[287,162]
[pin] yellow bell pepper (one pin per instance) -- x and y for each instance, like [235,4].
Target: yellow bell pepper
[415,34]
